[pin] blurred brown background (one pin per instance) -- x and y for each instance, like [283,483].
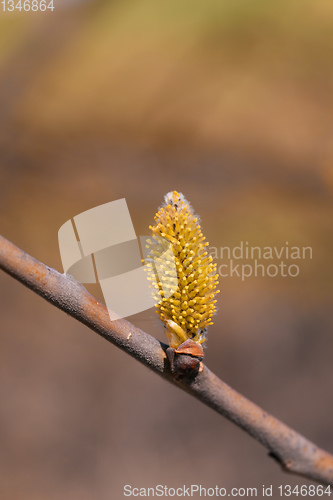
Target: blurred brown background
[229,103]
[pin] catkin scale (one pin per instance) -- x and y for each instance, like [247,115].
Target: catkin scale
[188,312]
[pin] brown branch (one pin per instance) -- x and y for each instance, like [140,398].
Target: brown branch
[294,452]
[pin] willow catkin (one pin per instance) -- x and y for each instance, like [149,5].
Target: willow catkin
[187,313]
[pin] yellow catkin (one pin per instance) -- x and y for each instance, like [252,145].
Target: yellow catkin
[188,312]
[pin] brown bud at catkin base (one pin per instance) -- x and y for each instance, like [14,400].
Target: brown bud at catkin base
[188,312]
[185,361]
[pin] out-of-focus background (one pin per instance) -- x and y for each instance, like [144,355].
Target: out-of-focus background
[229,103]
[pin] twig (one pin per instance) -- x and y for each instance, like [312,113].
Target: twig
[295,453]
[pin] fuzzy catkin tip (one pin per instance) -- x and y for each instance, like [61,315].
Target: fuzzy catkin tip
[188,312]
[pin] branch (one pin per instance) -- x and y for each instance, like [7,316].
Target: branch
[294,452]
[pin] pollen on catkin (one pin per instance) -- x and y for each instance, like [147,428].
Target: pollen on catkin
[188,312]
